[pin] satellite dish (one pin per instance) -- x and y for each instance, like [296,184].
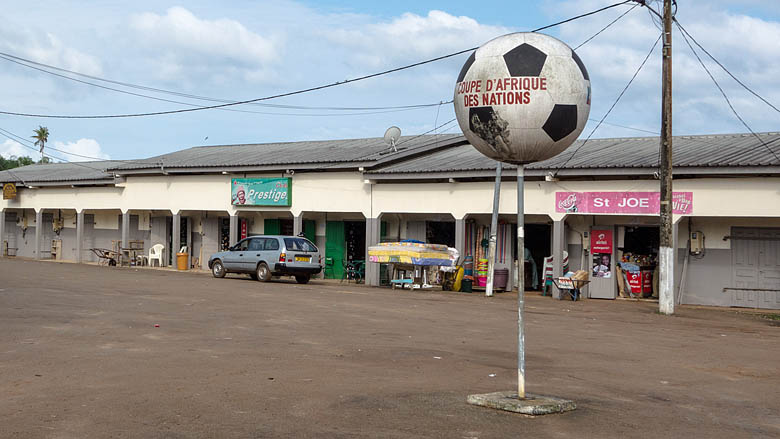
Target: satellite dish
[391,136]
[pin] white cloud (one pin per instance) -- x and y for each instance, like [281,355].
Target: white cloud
[11,148]
[47,48]
[82,147]
[746,45]
[188,44]
[410,36]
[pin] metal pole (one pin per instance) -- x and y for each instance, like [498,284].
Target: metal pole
[520,283]
[493,233]
[666,250]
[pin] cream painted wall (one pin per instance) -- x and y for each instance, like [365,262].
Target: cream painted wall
[714,229]
[347,192]
[106,220]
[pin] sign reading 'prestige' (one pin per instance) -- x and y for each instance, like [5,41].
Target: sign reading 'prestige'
[261,192]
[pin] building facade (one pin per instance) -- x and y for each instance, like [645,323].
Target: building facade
[598,207]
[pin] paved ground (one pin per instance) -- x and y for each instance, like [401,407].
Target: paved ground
[80,356]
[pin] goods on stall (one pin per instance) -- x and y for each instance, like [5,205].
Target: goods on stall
[411,253]
[482,272]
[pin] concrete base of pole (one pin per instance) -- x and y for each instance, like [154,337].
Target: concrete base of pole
[532,405]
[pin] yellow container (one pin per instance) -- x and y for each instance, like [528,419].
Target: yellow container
[181,261]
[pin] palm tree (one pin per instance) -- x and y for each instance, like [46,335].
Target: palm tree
[41,137]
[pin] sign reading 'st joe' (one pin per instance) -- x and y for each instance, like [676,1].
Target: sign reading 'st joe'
[9,191]
[261,192]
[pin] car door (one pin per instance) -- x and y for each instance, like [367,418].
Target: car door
[233,258]
[254,254]
[271,252]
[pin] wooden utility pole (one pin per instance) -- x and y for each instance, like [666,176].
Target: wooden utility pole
[666,251]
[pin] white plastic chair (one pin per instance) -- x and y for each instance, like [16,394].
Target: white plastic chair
[156,253]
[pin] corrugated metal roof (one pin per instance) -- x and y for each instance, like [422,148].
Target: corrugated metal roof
[422,154]
[59,172]
[319,154]
[728,150]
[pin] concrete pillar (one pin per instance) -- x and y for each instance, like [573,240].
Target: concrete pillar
[175,236]
[233,230]
[38,233]
[188,242]
[559,242]
[209,239]
[373,230]
[125,230]
[79,236]
[320,241]
[460,237]
[2,233]
[298,224]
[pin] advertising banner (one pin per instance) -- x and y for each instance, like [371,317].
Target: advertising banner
[601,250]
[601,241]
[9,191]
[621,202]
[261,192]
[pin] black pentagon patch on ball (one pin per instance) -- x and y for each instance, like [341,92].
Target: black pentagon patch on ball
[580,65]
[525,60]
[561,122]
[466,67]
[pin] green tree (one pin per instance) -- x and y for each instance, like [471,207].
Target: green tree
[17,162]
[41,137]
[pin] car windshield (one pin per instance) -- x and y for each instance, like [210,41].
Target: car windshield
[299,244]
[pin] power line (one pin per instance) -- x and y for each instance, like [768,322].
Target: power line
[728,101]
[9,58]
[427,132]
[24,62]
[606,27]
[624,126]
[685,32]
[612,107]
[296,92]
[3,133]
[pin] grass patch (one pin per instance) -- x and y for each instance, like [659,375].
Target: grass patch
[775,317]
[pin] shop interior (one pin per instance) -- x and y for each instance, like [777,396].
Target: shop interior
[638,259]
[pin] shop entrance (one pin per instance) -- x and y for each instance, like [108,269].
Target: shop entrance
[440,232]
[638,258]
[345,242]
[537,242]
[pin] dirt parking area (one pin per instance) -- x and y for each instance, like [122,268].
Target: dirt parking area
[82,355]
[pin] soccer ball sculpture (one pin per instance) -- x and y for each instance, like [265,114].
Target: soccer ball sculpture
[522,98]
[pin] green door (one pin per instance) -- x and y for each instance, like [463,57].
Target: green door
[334,249]
[309,229]
[271,227]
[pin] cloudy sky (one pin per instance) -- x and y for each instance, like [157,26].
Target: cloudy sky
[248,49]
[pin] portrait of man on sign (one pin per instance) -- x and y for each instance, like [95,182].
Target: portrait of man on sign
[240,196]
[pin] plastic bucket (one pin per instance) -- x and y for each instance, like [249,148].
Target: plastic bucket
[500,277]
[482,281]
[181,261]
[465,286]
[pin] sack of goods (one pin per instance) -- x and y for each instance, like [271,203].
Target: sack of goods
[580,275]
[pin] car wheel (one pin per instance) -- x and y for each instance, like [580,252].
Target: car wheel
[217,269]
[302,279]
[263,274]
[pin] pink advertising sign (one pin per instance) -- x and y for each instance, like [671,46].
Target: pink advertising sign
[621,202]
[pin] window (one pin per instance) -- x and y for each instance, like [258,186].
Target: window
[299,244]
[271,244]
[241,246]
[256,244]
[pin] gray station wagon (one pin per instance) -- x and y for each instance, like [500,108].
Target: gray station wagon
[263,257]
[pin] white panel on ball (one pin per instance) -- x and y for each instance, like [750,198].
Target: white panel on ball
[522,98]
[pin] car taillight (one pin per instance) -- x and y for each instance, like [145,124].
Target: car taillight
[281,257]
[320,261]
